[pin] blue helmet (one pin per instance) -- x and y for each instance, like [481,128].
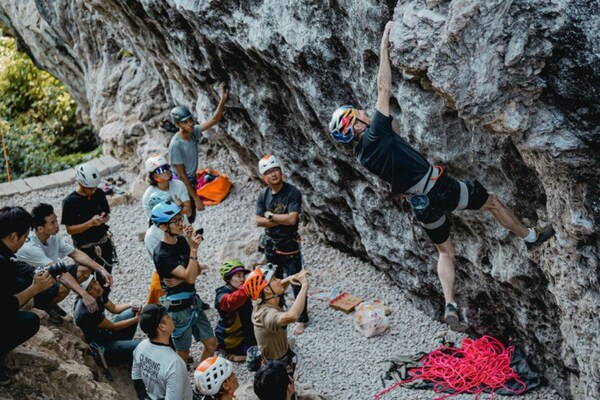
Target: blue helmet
[341,126]
[164,212]
[158,197]
[180,114]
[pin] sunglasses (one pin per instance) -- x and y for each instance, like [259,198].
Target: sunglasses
[162,169]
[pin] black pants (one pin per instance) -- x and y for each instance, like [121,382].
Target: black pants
[23,326]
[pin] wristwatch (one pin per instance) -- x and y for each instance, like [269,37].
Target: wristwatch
[270,217]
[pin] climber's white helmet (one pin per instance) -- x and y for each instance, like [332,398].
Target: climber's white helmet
[268,162]
[87,175]
[211,373]
[155,161]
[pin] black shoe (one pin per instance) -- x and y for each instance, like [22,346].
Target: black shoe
[54,316]
[453,318]
[543,234]
[4,376]
[60,310]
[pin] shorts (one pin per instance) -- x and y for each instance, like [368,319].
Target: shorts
[201,329]
[446,196]
[43,300]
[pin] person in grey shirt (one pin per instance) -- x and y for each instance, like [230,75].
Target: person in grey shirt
[183,148]
[158,372]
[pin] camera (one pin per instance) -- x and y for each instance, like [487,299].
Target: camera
[57,268]
[200,232]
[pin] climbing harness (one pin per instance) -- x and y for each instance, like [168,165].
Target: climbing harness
[178,302]
[482,365]
[98,250]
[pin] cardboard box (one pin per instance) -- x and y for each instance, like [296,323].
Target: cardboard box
[345,302]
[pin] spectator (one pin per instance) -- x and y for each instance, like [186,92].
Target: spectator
[215,379]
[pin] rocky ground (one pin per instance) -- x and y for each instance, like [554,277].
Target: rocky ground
[334,357]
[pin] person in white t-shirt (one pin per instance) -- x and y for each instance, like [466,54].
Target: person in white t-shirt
[158,372]
[43,248]
[162,188]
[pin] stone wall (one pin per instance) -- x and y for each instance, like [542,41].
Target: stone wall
[499,90]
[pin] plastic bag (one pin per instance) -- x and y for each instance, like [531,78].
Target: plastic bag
[370,319]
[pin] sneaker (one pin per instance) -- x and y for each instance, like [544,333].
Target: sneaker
[543,235]
[453,319]
[4,376]
[54,316]
[60,310]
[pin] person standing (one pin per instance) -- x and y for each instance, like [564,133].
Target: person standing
[85,214]
[183,148]
[278,210]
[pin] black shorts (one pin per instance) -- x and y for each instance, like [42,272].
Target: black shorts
[43,300]
[446,196]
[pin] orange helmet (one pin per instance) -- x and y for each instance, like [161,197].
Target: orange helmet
[257,280]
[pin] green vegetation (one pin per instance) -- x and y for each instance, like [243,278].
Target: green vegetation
[41,129]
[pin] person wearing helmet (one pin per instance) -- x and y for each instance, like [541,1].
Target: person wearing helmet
[162,188]
[278,210]
[214,378]
[431,194]
[270,320]
[157,371]
[183,148]
[234,330]
[85,214]
[176,256]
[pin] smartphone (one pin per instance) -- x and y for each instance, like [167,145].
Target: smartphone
[200,231]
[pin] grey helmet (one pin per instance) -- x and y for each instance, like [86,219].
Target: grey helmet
[180,114]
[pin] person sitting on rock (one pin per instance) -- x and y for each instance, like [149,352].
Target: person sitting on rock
[278,210]
[158,372]
[215,380]
[268,317]
[234,329]
[20,326]
[43,248]
[85,213]
[432,194]
[176,256]
[113,337]
[183,148]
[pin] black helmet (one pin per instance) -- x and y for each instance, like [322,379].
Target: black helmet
[180,114]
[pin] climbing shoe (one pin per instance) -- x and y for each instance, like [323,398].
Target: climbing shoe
[453,318]
[60,310]
[543,235]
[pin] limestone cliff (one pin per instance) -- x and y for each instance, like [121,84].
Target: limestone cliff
[505,91]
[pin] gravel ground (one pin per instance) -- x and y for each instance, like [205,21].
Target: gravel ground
[334,357]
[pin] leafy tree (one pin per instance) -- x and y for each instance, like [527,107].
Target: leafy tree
[40,124]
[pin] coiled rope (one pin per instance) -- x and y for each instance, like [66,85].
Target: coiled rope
[480,365]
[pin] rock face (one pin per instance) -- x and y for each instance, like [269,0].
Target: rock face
[55,364]
[502,91]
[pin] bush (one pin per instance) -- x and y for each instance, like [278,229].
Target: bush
[40,125]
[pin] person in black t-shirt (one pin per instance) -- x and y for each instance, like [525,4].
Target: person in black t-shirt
[278,210]
[176,261]
[115,336]
[20,325]
[85,213]
[432,194]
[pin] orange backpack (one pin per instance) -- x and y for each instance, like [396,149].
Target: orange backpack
[215,191]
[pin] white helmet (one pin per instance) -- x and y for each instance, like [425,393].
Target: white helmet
[87,175]
[211,373]
[155,161]
[268,162]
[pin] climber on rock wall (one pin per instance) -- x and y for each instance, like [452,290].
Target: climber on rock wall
[183,148]
[431,193]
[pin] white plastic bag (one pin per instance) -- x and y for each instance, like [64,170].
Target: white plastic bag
[370,319]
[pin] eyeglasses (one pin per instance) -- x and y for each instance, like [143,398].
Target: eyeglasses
[272,171]
[177,221]
[162,169]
